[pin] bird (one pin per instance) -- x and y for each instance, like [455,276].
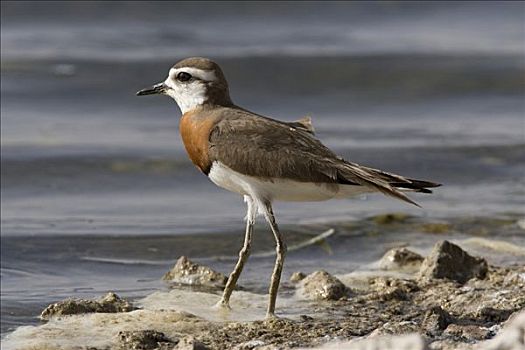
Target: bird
[263,159]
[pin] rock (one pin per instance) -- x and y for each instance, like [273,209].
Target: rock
[250,345]
[187,272]
[190,343]
[387,289]
[110,303]
[436,320]
[144,340]
[449,344]
[297,276]
[512,337]
[485,302]
[400,258]
[514,278]
[449,261]
[393,328]
[412,341]
[320,285]
[493,315]
[468,332]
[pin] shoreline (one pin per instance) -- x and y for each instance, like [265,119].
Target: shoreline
[399,297]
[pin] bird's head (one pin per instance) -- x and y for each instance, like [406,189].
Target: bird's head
[193,82]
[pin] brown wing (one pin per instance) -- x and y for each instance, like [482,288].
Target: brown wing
[263,147]
[260,146]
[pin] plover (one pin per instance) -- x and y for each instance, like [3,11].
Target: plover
[263,159]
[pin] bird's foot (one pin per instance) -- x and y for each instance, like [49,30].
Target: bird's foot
[222,305]
[270,316]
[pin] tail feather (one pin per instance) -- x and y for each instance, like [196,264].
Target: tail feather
[387,183]
[415,185]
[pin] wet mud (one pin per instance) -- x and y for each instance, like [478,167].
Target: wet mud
[449,300]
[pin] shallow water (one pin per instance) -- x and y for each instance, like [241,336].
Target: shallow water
[97,193]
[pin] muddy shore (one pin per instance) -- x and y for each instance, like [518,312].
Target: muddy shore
[446,300]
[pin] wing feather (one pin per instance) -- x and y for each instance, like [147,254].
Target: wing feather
[258,146]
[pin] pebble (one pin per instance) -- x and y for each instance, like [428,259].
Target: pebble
[320,285]
[187,272]
[110,303]
[400,258]
[449,261]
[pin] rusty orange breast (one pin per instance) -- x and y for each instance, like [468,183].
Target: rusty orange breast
[195,132]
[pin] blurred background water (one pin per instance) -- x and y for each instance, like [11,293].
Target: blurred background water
[432,90]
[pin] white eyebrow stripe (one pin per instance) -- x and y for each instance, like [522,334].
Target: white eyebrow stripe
[206,75]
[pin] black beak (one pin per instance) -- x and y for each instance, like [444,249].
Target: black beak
[152,90]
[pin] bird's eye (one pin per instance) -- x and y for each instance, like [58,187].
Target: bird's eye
[183,76]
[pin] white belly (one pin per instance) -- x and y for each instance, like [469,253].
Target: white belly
[279,189]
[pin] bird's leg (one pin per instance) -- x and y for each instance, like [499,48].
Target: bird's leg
[280,248]
[243,254]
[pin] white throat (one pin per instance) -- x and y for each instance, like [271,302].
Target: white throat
[187,97]
[187,102]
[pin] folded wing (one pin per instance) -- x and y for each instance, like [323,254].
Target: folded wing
[262,147]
